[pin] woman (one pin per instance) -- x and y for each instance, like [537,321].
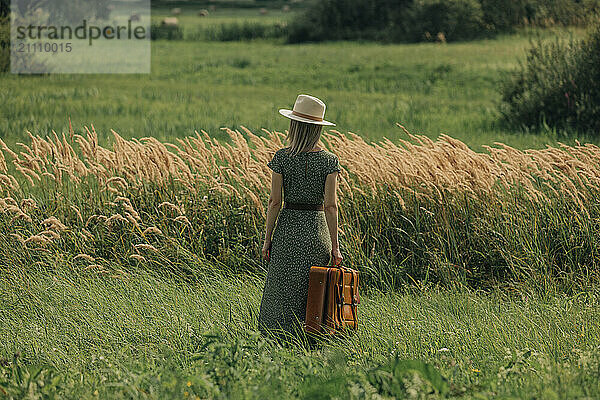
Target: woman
[307,225]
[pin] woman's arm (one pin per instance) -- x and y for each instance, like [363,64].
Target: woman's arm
[331,215]
[275,199]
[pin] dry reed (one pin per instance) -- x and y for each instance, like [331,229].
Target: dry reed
[418,167]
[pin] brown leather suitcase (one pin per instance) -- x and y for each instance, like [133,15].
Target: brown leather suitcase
[332,302]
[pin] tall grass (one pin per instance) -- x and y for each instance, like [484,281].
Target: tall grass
[417,211]
[133,271]
[152,336]
[224,32]
[246,30]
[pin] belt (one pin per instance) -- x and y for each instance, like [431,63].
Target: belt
[303,206]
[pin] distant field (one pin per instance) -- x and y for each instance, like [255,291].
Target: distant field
[190,20]
[429,88]
[162,302]
[190,14]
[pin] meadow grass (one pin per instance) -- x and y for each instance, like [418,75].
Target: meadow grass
[134,272]
[189,18]
[135,277]
[429,88]
[197,27]
[421,211]
[156,335]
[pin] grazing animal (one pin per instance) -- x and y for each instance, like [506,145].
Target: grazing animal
[169,21]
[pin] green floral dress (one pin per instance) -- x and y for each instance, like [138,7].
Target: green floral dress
[300,240]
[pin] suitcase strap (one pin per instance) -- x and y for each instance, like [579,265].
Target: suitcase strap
[337,319]
[340,299]
[352,304]
[340,302]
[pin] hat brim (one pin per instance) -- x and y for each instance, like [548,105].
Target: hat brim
[288,114]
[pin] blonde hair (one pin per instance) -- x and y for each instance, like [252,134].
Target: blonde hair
[302,136]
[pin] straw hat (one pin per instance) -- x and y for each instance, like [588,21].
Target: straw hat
[307,109]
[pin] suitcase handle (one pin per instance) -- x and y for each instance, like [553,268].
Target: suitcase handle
[340,266]
[337,266]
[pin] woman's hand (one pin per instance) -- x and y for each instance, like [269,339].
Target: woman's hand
[266,250]
[336,256]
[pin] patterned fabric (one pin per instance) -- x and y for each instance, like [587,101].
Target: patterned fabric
[300,240]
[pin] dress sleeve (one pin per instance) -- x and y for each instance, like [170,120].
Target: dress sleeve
[334,165]
[276,163]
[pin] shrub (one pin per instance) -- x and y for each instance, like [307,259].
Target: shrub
[385,20]
[558,86]
[416,20]
[233,31]
[455,19]
[4,36]
[168,32]
[504,15]
[4,8]
[246,30]
[561,12]
[351,19]
[4,45]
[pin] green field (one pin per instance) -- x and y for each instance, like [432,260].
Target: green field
[189,17]
[152,332]
[151,336]
[368,88]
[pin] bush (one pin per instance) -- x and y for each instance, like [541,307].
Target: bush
[557,87]
[351,19]
[233,31]
[416,20]
[504,15]
[562,12]
[242,31]
[167,32]
[4,8]
[455,19]
[4,45]
[385,20]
